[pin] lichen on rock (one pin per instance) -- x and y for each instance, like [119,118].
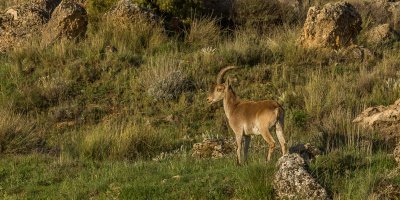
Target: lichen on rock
[292,180]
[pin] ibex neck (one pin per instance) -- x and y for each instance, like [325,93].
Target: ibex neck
[230,102]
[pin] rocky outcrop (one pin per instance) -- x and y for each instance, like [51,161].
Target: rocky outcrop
[20,22]
[213,148]
[292,181]
[385,119]
[307,151]
[380,12]
[125,11]
[355,53]
[381,34]
[48,19]
[69,20]
[385,190]
[334,25]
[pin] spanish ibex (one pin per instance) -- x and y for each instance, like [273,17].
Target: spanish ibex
[249,117]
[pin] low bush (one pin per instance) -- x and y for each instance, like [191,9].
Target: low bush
[18,134]
[165,78]
[264,15]
[203,32]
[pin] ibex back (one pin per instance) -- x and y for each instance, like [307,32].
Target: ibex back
[249,117]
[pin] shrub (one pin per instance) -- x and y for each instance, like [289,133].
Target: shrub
[263,14]
[165,78]
[246,49]
[95,8]
[18,134]
[299,118]
[203,32]
[121,139]
[53,87]
[178,8]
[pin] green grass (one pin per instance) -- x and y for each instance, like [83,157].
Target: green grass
[40,177]
[346,174]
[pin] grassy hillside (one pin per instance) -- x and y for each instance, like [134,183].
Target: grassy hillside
[79,121]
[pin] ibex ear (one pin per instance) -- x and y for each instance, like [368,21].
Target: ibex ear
[227,82]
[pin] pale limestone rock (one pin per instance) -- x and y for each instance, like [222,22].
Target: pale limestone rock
[292,180]
[334,25]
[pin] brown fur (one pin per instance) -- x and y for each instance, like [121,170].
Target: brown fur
[249,117]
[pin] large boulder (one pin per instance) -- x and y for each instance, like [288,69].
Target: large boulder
[334,25]
[394,10]
[385,119]
[69,20]
[23,21]
[381,34]
[124,11]
[292,180]
[379,12]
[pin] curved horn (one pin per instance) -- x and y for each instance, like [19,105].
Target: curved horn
[222,72]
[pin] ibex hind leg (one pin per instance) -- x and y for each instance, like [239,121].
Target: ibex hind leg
[279,131]
[247,140]
[281,138]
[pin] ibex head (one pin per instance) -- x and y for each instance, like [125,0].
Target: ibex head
[218,91]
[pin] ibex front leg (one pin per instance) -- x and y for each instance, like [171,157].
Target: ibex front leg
[239,136]
[238,148]
[271,142]
[247,140]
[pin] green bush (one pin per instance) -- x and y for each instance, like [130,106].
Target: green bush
[182,9]
[96,8]
[246,48]
[299,118]
[263,14]
[18,134]
[203,32]
[165,78]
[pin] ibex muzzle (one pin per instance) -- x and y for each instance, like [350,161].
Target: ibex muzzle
[249,117]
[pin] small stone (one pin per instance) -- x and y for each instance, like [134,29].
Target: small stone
[213,148]
[381,34]
[356,53]
[307,151]
[13,13]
